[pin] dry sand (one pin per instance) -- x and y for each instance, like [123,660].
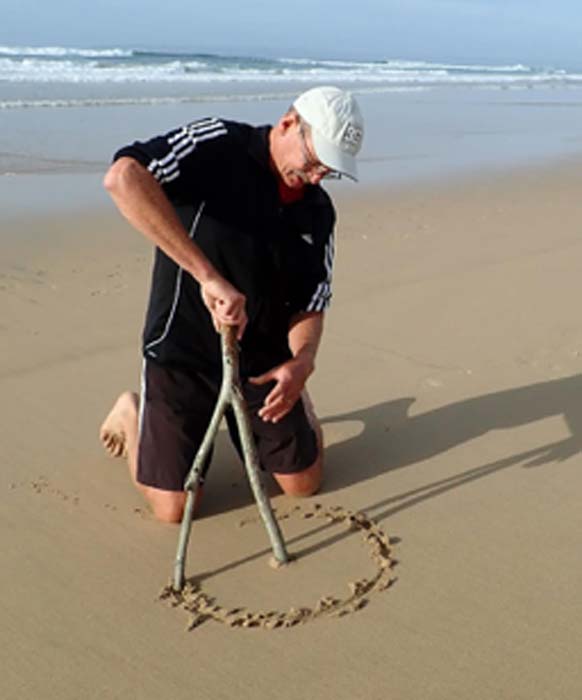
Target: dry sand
[450,389]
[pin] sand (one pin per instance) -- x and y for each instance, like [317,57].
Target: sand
[449,385]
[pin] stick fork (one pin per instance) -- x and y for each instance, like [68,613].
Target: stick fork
[230,394]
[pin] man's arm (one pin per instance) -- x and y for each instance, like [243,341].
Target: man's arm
[142,201]
[305,332]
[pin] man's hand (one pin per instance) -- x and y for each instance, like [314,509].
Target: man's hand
[289,378]
[225,303]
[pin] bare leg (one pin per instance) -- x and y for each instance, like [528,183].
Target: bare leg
[308,481]
[119,435]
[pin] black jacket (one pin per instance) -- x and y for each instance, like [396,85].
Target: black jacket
[217,175]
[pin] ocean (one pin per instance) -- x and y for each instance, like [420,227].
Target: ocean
[65,111]
[33,77]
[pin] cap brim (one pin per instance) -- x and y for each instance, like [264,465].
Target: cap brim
[333,157]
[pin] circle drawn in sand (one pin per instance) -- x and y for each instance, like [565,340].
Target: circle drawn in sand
[201,606]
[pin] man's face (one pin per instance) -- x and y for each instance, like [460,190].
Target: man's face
[295,160]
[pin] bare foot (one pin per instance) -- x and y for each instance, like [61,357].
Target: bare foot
[113,432]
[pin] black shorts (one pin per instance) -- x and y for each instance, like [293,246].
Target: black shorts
[175,411]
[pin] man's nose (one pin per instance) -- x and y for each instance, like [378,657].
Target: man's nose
[315,178]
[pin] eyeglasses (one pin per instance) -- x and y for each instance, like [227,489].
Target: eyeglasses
[311,165]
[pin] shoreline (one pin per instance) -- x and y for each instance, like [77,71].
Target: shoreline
[87,197]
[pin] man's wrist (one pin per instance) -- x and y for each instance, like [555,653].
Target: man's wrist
[306,360]
[203,272]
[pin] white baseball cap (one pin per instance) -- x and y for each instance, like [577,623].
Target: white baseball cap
[337,127]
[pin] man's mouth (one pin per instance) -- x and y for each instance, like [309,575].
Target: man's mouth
[300,176]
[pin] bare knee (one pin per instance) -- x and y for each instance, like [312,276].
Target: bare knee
[301,484]
[167,506]
[168,514]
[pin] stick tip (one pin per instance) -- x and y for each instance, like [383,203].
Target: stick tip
[275,563]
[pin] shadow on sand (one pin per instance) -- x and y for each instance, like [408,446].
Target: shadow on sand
[392,439]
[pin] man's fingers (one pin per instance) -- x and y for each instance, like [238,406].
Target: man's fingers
[276,394]
[273,401]
[274,416]
[278,408]
[220,319]
[241,329]
[226,305]
[262,379]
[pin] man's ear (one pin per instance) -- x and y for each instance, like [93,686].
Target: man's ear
[288,121]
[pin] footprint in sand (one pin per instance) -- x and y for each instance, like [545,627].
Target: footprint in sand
[41,485]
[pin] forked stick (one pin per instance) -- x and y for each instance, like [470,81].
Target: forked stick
[230,393]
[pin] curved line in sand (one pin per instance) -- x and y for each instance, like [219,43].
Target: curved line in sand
[202,607]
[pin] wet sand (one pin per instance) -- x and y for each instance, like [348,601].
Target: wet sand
[449,384]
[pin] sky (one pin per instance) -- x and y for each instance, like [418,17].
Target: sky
[536,32]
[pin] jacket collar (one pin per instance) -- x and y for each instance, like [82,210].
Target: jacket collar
[259,145]
[259,149]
